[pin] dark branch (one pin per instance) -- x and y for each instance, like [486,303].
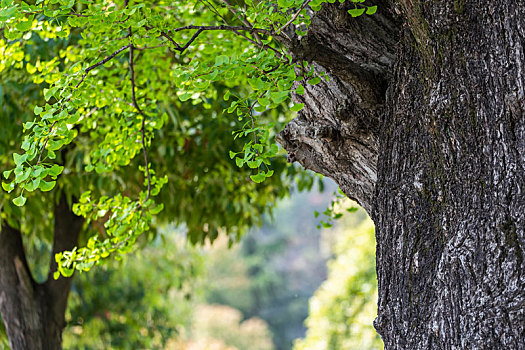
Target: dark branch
[294,17]
[227,28]
[105,60]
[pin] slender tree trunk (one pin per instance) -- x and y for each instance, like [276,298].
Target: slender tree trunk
[437,157]
[34,313]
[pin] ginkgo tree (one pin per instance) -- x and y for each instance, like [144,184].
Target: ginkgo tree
[122,114]
[134,39]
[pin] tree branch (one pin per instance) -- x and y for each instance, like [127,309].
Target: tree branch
[105,60]
[294,16]
[227,27]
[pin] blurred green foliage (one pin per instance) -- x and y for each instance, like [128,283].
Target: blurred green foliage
[344,307]
[172,295]
[155,299]
[277,267]
[138,303]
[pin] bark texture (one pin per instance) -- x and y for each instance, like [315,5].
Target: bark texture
[436,155]
[34,313]
[337,133]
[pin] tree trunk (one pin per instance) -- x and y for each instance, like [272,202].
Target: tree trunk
[34,313]
[431,141]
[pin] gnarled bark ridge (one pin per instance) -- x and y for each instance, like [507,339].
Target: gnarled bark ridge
[423,123]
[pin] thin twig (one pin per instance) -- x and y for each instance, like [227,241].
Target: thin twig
[253,120]
[256,43]
[226,27]
[234,29]
[165,35]
[105,60]
[192,39]
[143,127]
[294,17]
[45,143]
[213,9]
[243,20]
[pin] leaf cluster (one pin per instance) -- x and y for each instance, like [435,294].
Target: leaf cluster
[128,85]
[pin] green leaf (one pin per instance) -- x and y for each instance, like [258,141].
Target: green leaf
[258,178]
[256,83]
[371,10]
[263,101]
[239,162]
[19,159]
[56,170]
[314,81]
[285,3]
[46,186]
[21,177]
[157,209]
[33,185]
[356,12]
[7,173]
[326,224]
[227,95]
[297,107]
[299,90]
[185,96]
[253,164]
[48,93]
[20,200]
[260,109]
[7,13]
[24,26]
[279,96]
[222,59]
[8,187]
[232,154]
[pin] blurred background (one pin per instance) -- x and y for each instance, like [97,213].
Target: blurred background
[304,280]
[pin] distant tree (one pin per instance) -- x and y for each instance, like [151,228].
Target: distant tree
[232,331]
[276,268]
[344,307]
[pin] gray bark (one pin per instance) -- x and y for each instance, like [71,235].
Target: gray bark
[436,155]
[34,313]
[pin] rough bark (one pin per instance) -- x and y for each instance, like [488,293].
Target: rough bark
[337,133]
[448,163]
[34,313]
